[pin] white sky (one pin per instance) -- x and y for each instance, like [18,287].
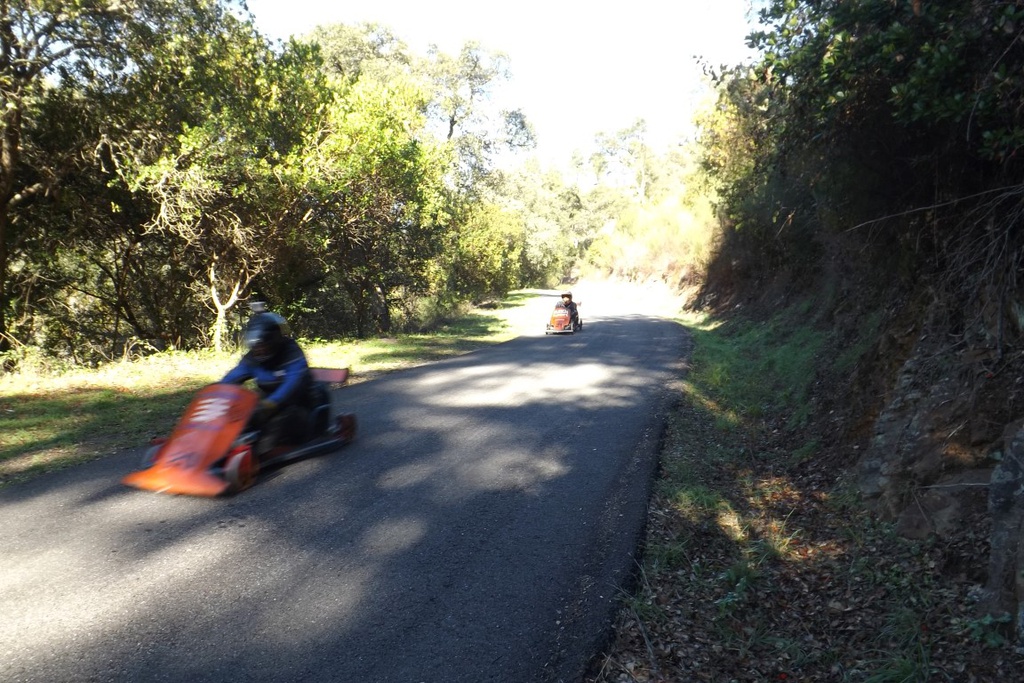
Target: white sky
[578,67]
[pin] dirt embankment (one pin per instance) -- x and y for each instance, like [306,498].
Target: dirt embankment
[923,426]
[927,425]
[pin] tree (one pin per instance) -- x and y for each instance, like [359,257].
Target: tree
[73,51]
[351,52]
[377,203]
[170,173]
[40,40]
[485,256]
[883,136]
[558,225]
[624,158]
[461,107]
[227,185]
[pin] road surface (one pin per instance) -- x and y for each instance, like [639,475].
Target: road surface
[479,529]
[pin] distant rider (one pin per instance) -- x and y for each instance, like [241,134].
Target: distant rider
[570,306]
[279,368]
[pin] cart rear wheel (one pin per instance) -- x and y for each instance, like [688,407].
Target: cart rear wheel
[347,427]
[240,470]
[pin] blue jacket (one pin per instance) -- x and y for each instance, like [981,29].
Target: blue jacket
[285,379]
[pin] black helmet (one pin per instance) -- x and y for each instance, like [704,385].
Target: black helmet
[264,335]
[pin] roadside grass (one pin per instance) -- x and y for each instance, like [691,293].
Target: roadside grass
[759,566]
[51,419]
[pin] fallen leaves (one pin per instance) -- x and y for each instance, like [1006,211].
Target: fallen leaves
[777,578]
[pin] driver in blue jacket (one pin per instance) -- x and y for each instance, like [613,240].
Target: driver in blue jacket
[279,368]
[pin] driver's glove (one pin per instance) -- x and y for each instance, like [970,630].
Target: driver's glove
[265,409]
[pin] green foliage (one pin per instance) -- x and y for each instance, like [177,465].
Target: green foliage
[62,63]
[875,144]
[806,452]
[556,227]
[989,630]
[486,256]
[378,204]
[625,160]
[667,240]
[364,50]
[461,112]
[645,215]
[173,162]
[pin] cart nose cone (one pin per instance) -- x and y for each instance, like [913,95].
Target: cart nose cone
[175,480]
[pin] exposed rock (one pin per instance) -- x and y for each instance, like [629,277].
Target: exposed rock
[1004,591]
[940,508]
[912,444]
[941,453]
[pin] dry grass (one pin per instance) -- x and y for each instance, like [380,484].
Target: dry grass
[52,419]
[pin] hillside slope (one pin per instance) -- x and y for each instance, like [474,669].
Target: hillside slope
[876,541]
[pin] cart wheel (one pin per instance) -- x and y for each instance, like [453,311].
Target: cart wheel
[347,427]
[149,457]
[240,470]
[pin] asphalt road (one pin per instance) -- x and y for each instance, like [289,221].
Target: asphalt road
[479,529]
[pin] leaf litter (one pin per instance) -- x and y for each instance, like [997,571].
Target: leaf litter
[759,569]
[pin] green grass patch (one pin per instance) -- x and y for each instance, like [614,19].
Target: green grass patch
[670,556]
[867,337]
[750,369]
[697,502]
[805,452]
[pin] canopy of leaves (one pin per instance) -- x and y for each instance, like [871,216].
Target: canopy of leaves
[161,161]
[874,132]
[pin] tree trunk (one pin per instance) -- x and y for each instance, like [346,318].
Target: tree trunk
[222,308]
[382,313]
[9,153]
[5,340]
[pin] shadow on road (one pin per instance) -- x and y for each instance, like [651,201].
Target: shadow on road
[478,529]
